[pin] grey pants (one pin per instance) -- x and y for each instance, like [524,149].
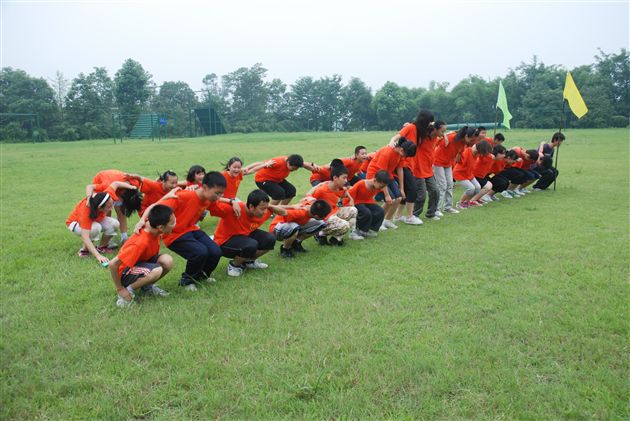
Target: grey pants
[444,178]
[426,185]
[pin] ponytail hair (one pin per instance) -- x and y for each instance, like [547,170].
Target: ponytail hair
[96,202]
[408,147]
[422,122]
[461,133]
[168,173]
[131,201]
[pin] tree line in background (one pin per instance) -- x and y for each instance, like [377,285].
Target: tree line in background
[248,102]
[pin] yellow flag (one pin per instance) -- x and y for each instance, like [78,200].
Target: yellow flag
[572,95]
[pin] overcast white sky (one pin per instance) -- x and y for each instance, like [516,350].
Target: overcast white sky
[408,42]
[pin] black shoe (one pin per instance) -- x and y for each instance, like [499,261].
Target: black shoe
[335,242]
[322,241]
[297,247]
[286,253]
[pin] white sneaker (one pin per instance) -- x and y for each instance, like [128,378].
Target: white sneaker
[495,198]
[506,194]
[233,270]
[382,228]
[433,218]
[451,210]
[439,214]
[389,224]
[122,303]
[412,220]
[156,291]
[537,190]
[486,199]
[515,193]
[354,235]
[524,191]
[191,288]
[256,264]
[399,218]
[371,234]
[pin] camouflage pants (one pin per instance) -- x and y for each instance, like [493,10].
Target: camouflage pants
[342,222]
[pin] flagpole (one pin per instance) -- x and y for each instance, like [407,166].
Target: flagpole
[558,151]
[496,120]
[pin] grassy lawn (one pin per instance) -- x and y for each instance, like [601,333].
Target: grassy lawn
[516,310]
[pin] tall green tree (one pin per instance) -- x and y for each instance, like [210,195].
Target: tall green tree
[247,97]
[356,109]
[133,89]
[89,105]
[175,101]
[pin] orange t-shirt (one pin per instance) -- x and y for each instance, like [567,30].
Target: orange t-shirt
[81,213]
[188,208]
[526,163]
[153,192]
[444,156]
[386,159]
[497,166]
[409,132]
[138,248]
[232,184]
[103,179]
[361,193]
[423,161]
[323,174]
[299,216]
[231,225]
[352,165]
[463,170]
[278,173]
[323,192]
[366,163]
[482,165]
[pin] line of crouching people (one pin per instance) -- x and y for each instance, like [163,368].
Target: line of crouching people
[356,196]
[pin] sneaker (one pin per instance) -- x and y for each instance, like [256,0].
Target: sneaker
[389,224]
[208,278]
[321,240]
[398,218]
[495,198]
[536,190]
[506,194]
[297,247]
[382,228]
[354,235]
[474,204]
[122,303]
[462,205]
[286,253]
[234,270]
[413,220]
[433,218]
[334,241]
[524,190]
[256,264]
[370,234]
[439,214]
[190,287]
[451,210]
[104,249]
[83,253]
[486,199]
[155,290]
[514,193]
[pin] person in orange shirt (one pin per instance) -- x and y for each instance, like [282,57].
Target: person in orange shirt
[412,185]
[139,263]
[463,173]
[353,164]
[239,235]
[234,172]
[300,223]
[389,158]
[187,239]
[446,150]
[369,215]
[89,218]
[498,183]
[272,178]
[154,190]
[341,219]
[194,177]
[127,199]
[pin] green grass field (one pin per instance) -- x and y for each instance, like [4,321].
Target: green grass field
[517,310]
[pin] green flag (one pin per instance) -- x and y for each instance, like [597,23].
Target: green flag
[502,105]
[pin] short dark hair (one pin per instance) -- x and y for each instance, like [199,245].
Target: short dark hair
[558,137]
[159,215]
[484,147]
[532,153]
[214,179]
[439,124]
[382,176]
[512,154]
[480,128]
[471,131]
[296,160]
[320,208]
[358,148]
[337,168]
[499,137]
[166,174]
[193,171]
[131,201]
[255,197]
[498,149]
